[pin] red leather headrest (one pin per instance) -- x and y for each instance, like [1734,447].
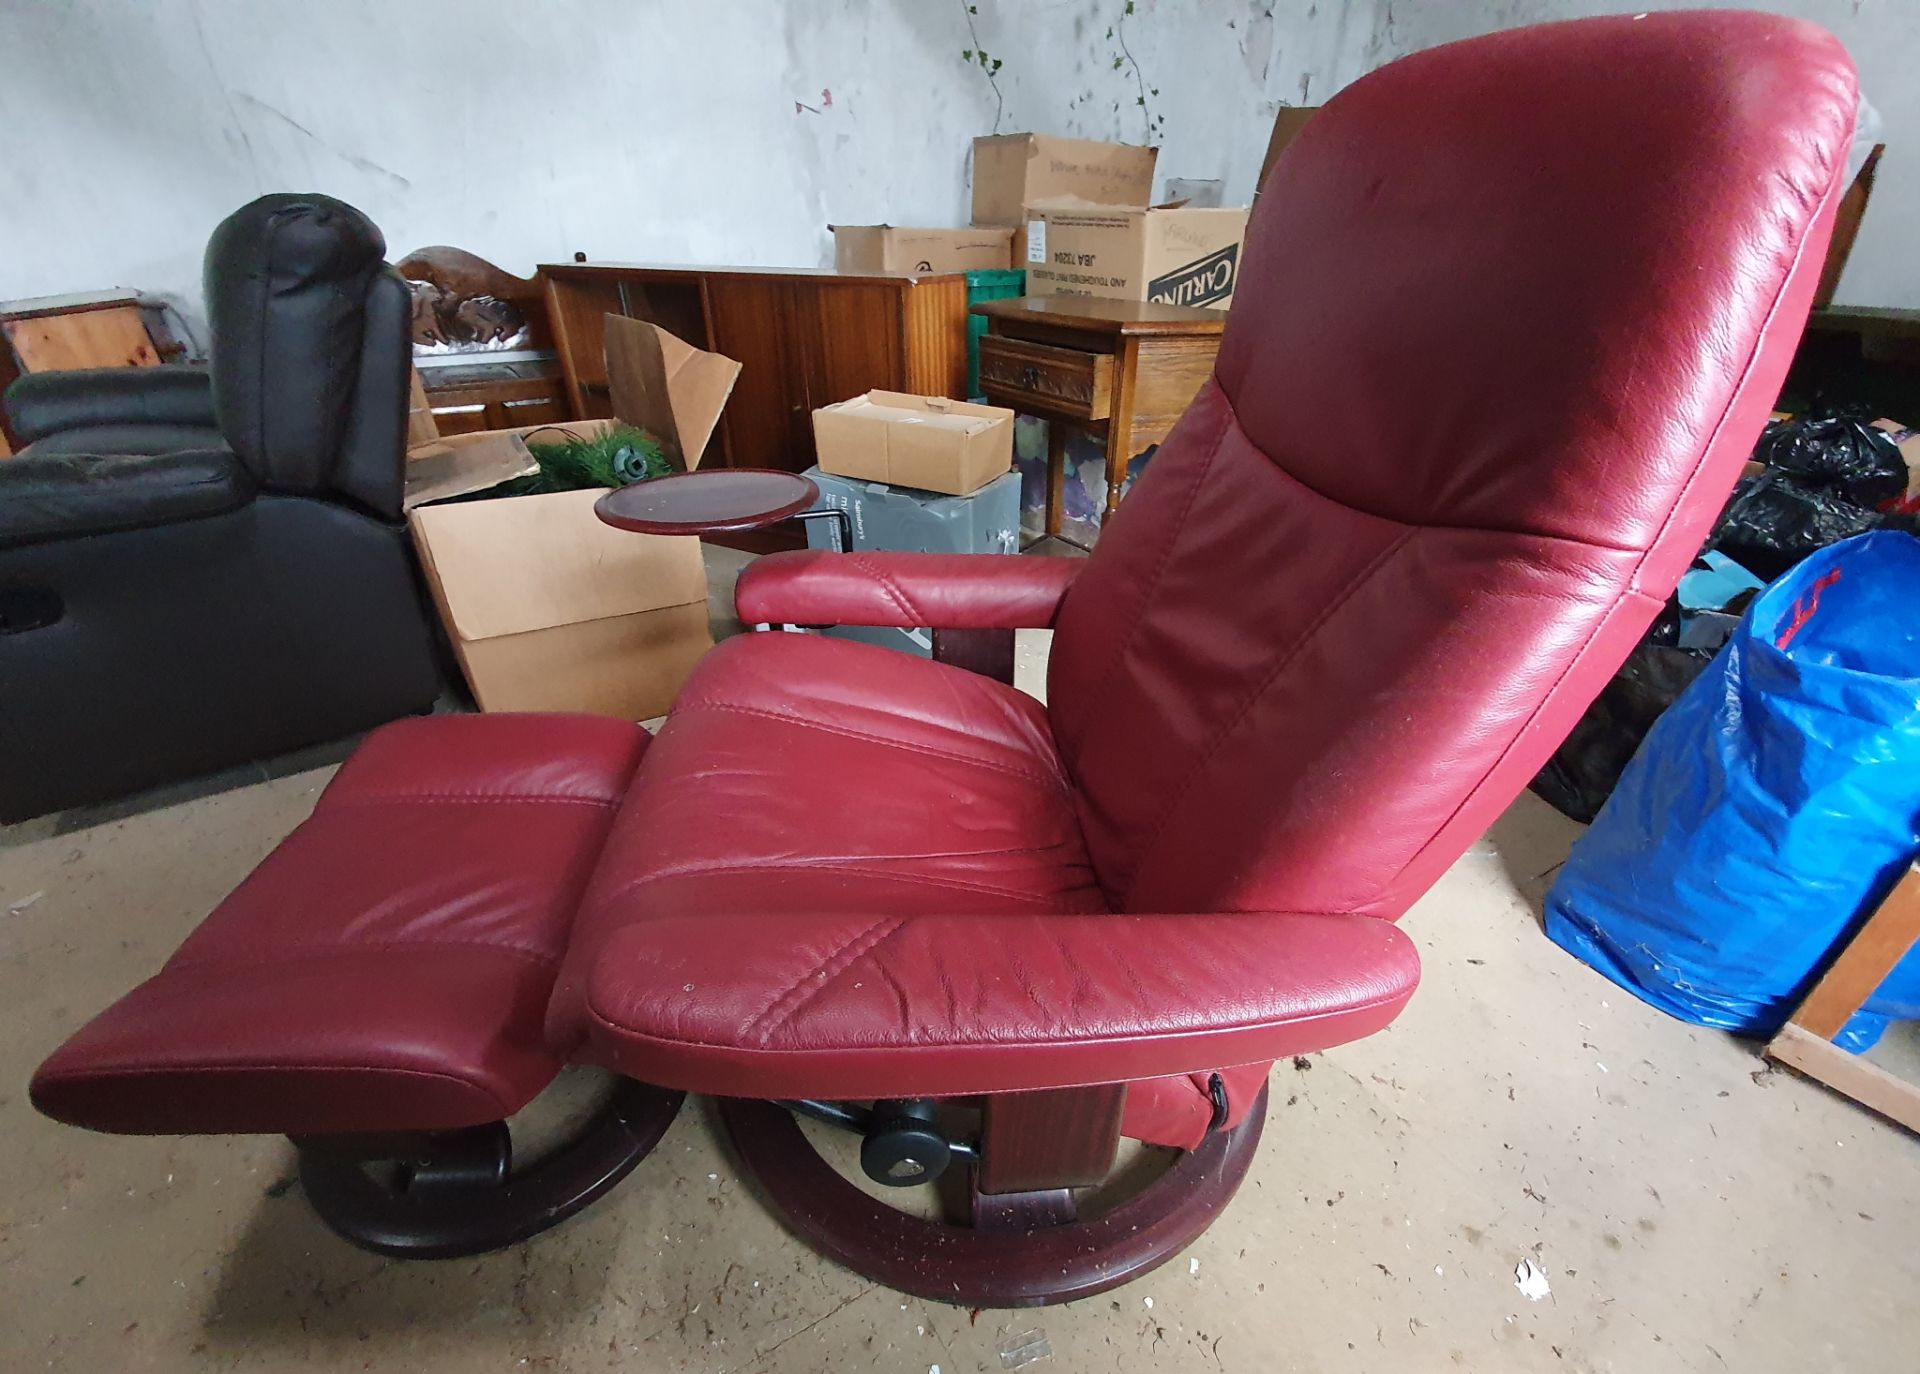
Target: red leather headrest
[1507,283]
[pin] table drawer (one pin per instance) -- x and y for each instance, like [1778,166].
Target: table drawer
[1065,381]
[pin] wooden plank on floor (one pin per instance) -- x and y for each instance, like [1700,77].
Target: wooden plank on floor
[1868,1084]
[1866,961]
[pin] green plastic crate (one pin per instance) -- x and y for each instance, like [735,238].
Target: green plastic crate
[989,284]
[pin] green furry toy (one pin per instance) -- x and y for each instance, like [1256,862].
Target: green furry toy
[571,463]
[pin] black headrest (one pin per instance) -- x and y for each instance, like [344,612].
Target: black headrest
[286,283]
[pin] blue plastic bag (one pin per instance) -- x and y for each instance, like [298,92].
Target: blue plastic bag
[1769,809]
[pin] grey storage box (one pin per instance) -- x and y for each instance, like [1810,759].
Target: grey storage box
[903,520]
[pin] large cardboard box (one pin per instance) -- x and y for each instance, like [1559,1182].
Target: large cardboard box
[1170,254]
[1012,171]
[548,608]
[870,248]
[927,442]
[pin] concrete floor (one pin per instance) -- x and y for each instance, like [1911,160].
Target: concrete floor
[1690,1210]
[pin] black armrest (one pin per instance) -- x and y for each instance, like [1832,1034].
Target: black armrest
[67,496]
[43,403]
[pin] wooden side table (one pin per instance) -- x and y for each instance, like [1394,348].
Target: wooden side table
[720,501]
[1121,370]
[707,502]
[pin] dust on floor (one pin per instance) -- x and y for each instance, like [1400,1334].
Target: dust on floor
[1685,1209]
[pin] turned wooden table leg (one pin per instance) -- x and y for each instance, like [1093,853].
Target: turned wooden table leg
[1126,369]
[1057,432]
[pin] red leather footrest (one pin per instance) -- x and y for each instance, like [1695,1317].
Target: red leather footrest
[387,968]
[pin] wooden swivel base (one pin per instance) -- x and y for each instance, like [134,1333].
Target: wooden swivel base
[1022,1249]
[454,1193]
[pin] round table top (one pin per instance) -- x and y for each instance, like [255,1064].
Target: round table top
[720,501]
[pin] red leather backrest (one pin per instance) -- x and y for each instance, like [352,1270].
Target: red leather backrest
[1512,314]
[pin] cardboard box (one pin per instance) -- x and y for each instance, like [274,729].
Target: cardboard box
[548,608]
[664,385]
[1012,171]
[1846,228]
[1170,254]
[1908,442]
[464,463]
[927,442]
[656,381]
[1286,128]
[869,248]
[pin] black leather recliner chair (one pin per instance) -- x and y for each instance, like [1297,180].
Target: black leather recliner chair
[115,410]
[172,613]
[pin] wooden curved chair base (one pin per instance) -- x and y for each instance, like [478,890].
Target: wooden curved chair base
[1023,1249]
[459,1196]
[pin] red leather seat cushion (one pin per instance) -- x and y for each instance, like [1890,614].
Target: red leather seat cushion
[846,872]
[806,777]
[388,966]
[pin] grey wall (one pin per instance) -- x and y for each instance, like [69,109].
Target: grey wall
[645,130]
[1882,35]
[653,130]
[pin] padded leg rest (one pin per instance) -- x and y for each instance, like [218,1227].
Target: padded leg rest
[388,967]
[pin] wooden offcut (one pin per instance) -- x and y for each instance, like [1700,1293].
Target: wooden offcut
[93,338]
[1806,1041]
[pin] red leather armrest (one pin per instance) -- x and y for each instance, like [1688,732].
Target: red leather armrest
[937,1006]
[952,591]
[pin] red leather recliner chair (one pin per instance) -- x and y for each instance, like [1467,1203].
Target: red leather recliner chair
[1512,313]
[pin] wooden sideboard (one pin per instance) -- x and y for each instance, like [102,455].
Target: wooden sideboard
[481,390]
[803,338]
[479,394]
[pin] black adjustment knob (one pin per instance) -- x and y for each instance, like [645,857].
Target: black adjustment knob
[903,1145]
[459,1162]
